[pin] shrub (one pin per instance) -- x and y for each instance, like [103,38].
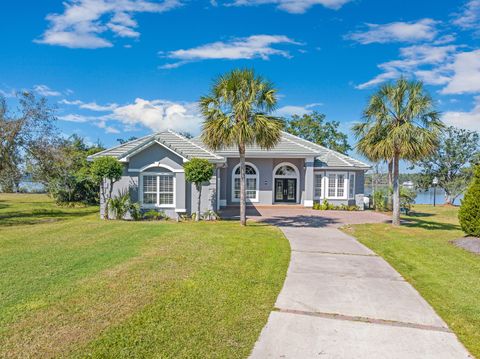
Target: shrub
[469,214]
[155,215]
[210,216]
[135,211]
[119,205]
[324,206]
[380,200]
[407,198]
[198,171]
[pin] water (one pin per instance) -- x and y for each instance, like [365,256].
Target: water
[426,197]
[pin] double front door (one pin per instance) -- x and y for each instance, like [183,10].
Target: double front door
[285,190]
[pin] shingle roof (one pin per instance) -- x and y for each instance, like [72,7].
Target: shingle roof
[289,145]
[176,142]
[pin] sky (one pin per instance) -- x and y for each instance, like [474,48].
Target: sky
[121,68]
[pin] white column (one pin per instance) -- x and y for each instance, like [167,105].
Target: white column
[309,182]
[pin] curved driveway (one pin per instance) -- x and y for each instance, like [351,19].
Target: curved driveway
[340,300]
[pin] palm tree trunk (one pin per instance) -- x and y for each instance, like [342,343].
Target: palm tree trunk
[396,191]
[243,203]
[199,192]
[390,183]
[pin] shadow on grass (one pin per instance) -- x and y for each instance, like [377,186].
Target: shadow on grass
[41,216]
[431,225]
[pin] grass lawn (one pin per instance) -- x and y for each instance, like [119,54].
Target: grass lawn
[447,277]
[72,285]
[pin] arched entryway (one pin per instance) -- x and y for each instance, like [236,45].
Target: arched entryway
[286,182]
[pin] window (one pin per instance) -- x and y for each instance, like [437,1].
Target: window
[351,186]
[336,185]
[318,186]
[285,170]
[158,190]
[251,183]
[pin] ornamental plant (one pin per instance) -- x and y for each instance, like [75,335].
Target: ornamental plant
[198,171]
[469,214]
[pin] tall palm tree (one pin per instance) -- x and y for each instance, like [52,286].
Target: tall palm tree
[400,122]
[237,113]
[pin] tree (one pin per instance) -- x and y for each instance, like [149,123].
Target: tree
[237,113]
[400,123]
[313,127]
[198,171]
[451,162]
[122,140]
[106,171]
[469,214]
[23,134]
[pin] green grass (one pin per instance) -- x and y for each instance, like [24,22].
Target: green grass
[446,276]
[72,285]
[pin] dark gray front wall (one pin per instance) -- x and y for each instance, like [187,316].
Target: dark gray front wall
[265,168]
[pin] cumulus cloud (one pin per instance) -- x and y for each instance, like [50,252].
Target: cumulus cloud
[84,23]
[156,115]
[424,29]
[466,74]
[256,46]
[290,110]
[294,6]
[431,64]
[469,16]
[469,120]
[46,91]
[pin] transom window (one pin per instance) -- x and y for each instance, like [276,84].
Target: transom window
[251,183]
[286,170]
[249,170]
[158,189]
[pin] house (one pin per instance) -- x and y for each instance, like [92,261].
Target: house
[295,171]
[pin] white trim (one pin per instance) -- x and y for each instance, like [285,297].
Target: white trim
[257,189]
[156,205]
[180,210]
[148,144]
[308,203]
[157,164]
[322,183]
[297,177]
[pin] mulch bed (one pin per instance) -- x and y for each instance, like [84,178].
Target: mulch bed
[471,244]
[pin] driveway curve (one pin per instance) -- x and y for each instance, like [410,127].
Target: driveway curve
[341,300]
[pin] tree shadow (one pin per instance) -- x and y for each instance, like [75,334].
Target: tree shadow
[420,214]
[36,216]
[429,225]
[300,221]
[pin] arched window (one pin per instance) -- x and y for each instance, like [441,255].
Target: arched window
[251,183]
[286,171]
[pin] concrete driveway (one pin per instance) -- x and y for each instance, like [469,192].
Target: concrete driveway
[340,300]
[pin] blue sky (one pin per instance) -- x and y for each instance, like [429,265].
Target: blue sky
[121,68]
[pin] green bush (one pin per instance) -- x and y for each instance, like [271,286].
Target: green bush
[469,214]
[407,198]
[155,215]
[324,206]
[119,205]
[380,200]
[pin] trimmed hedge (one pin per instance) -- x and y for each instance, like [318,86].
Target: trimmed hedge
[469,214]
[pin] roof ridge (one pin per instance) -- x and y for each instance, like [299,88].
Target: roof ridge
[299,144]
[194,144]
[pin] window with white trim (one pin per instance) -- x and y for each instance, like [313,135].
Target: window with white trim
[336,185]
[251,183]
[351,186]
[158,189]
[318,186]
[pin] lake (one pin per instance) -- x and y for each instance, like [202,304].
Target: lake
[425,197]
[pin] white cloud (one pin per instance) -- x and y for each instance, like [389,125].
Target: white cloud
[83,22]
[420,30]
[289,110]
[469,16]
[469,120]
[46,91]
[294,6]
[431,64]
[92,106]
[159,115]
[73,117]
[256,46]
[466,74]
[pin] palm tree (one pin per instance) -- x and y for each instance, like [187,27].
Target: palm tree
[400,122]
[236,113]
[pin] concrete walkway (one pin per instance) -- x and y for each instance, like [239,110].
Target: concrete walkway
[340,300]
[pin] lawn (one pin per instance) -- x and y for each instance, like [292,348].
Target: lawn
[447,277]
[72,285]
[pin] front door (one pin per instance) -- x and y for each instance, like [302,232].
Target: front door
[285,190]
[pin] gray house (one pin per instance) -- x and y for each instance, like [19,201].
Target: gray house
[296,171]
